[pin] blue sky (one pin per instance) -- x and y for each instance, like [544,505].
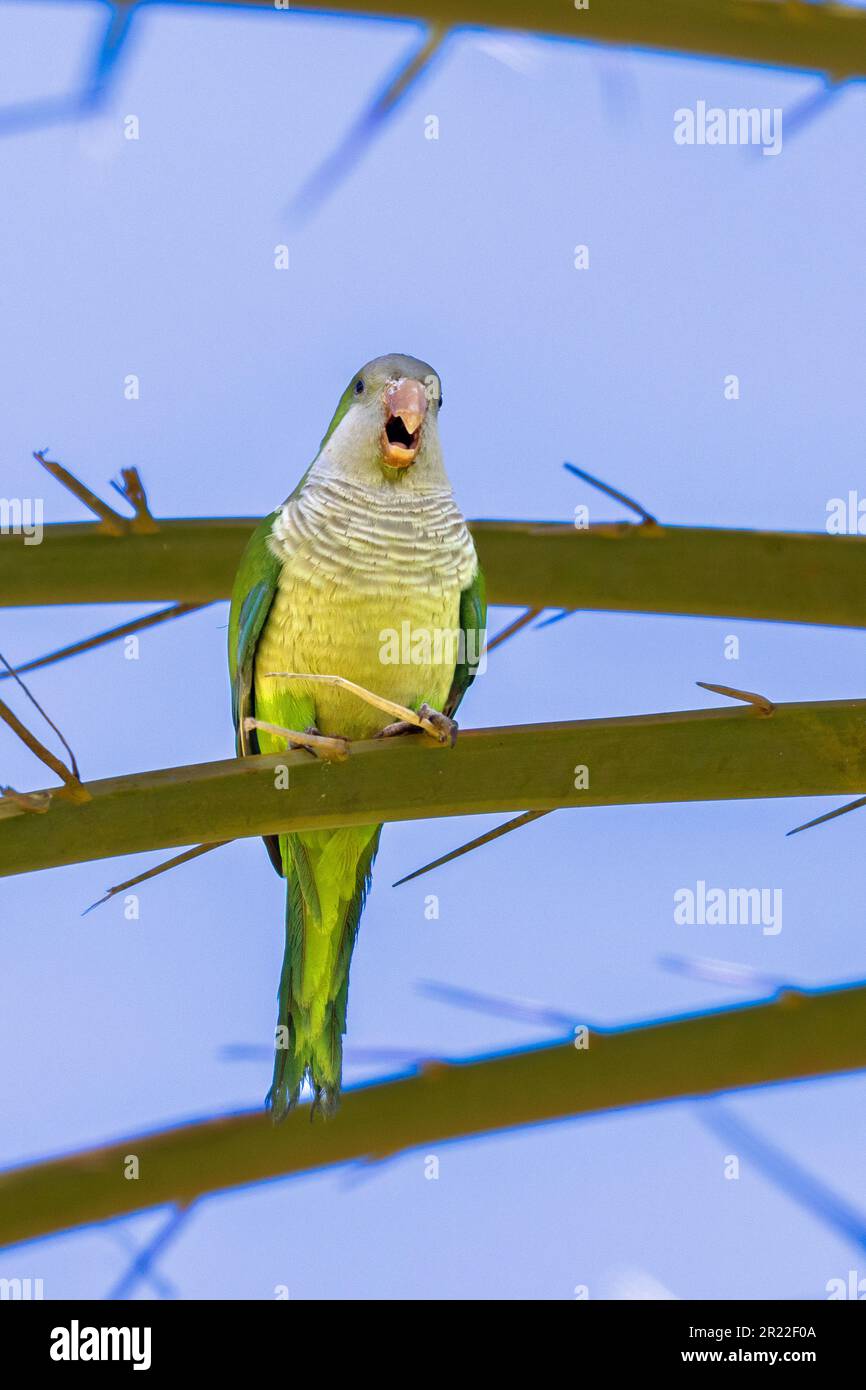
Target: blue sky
[156,257]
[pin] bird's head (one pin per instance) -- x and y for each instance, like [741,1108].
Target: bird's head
[385,429]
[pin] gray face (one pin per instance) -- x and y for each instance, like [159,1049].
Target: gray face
[386,427]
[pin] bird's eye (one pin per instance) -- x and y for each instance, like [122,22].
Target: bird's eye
[439,403]
[359,387]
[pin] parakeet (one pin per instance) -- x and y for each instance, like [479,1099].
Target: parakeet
[367,571]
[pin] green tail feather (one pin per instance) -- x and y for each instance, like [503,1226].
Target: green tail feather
[327,879]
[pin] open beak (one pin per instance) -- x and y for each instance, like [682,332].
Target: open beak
[405,408]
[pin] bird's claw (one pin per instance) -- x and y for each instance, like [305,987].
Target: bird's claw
[446,729]
[333,748]
[436,724]
[402,726]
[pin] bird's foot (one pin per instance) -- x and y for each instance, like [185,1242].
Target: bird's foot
[320,743]
[434,723]
[332,748]
[431,721]
[402,726]
[446,729]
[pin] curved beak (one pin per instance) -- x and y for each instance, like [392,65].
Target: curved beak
[405,409]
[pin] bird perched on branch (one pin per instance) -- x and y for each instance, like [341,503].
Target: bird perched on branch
[367,572]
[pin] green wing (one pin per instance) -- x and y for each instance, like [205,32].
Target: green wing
[252,596]
[473,625]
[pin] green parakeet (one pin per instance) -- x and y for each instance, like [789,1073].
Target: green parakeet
[367,571]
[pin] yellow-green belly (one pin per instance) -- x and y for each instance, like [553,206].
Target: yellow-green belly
[343,633]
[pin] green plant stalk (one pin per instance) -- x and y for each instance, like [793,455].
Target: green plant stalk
[804,749]
[796,1035]
[797,577]
[816,38]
